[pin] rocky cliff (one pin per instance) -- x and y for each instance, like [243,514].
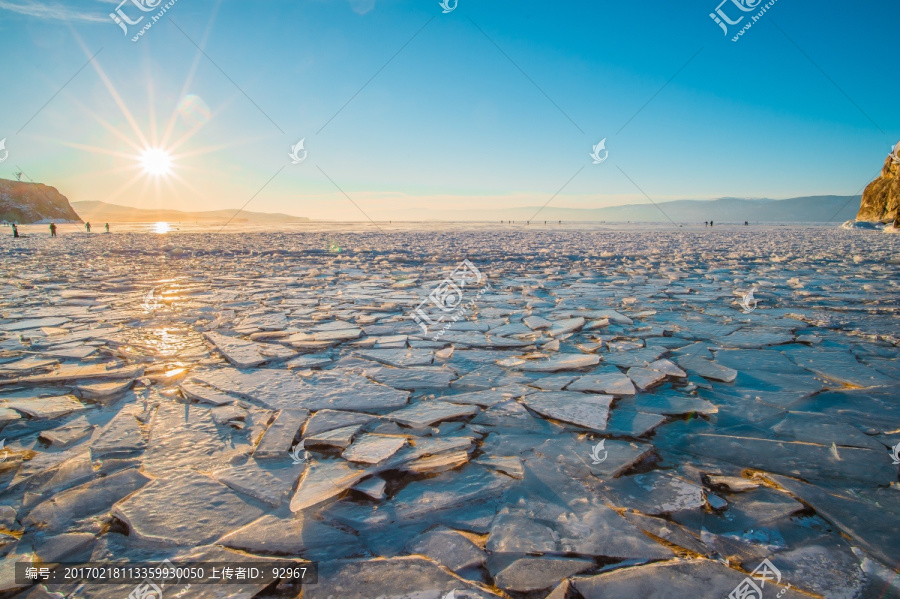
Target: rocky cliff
[882,196]
[26,203]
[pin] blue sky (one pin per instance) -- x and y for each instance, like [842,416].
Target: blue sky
[448,122]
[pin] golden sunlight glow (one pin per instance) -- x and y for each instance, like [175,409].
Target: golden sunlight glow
[156,162]
[161,228]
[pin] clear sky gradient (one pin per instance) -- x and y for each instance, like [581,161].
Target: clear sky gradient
[405,108]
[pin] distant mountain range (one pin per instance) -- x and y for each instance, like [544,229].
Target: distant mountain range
[103,212]
[805,209]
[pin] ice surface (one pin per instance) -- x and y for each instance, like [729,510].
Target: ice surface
[605,406]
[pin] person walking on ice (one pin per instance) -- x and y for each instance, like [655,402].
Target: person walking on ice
[87,226]
[52,230]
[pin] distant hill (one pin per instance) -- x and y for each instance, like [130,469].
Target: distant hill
[103,212]
[804,209]
[26,203]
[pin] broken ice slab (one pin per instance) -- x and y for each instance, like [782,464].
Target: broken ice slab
[754,339]
[325,480]
[668,531]
[585,410]
[466,487]
[339,438]
[296,535]
[269,485]
[74,372]
[609,381]
[656,493]
[399,358]
[636,357]
[675,579]
[278,439]
[553,382]
[246,354]
[373,449]
[670,402]
[667,368]
[204,394]
[536,323]
[557,362]
[413,378]
[68,434]
[310,361]
[274,389]
[168,511]
[103,391]
[373,487]
[448,548]
[8,415]
[531,574]
[328,420]
[490,397]
[707,368]
[33,323]
[823,430]
[628,423]
[434,464]
[511,466]
[645,378]
[561,327]
[403,576]
[45,408]
[843,467]
[345,391]
[26,366]
[91,498]
[841,366]
[866,522]
[426,413]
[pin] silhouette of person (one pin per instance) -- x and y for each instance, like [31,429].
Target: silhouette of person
[107,227]
[87,226]
[52,230]
[710,223]
[706,223]
[15,230]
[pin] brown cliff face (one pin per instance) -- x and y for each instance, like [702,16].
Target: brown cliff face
[26,203]
[882,196]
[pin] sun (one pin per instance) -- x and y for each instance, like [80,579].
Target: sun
[156,162]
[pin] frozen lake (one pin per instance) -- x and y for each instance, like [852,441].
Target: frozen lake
[579,409]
